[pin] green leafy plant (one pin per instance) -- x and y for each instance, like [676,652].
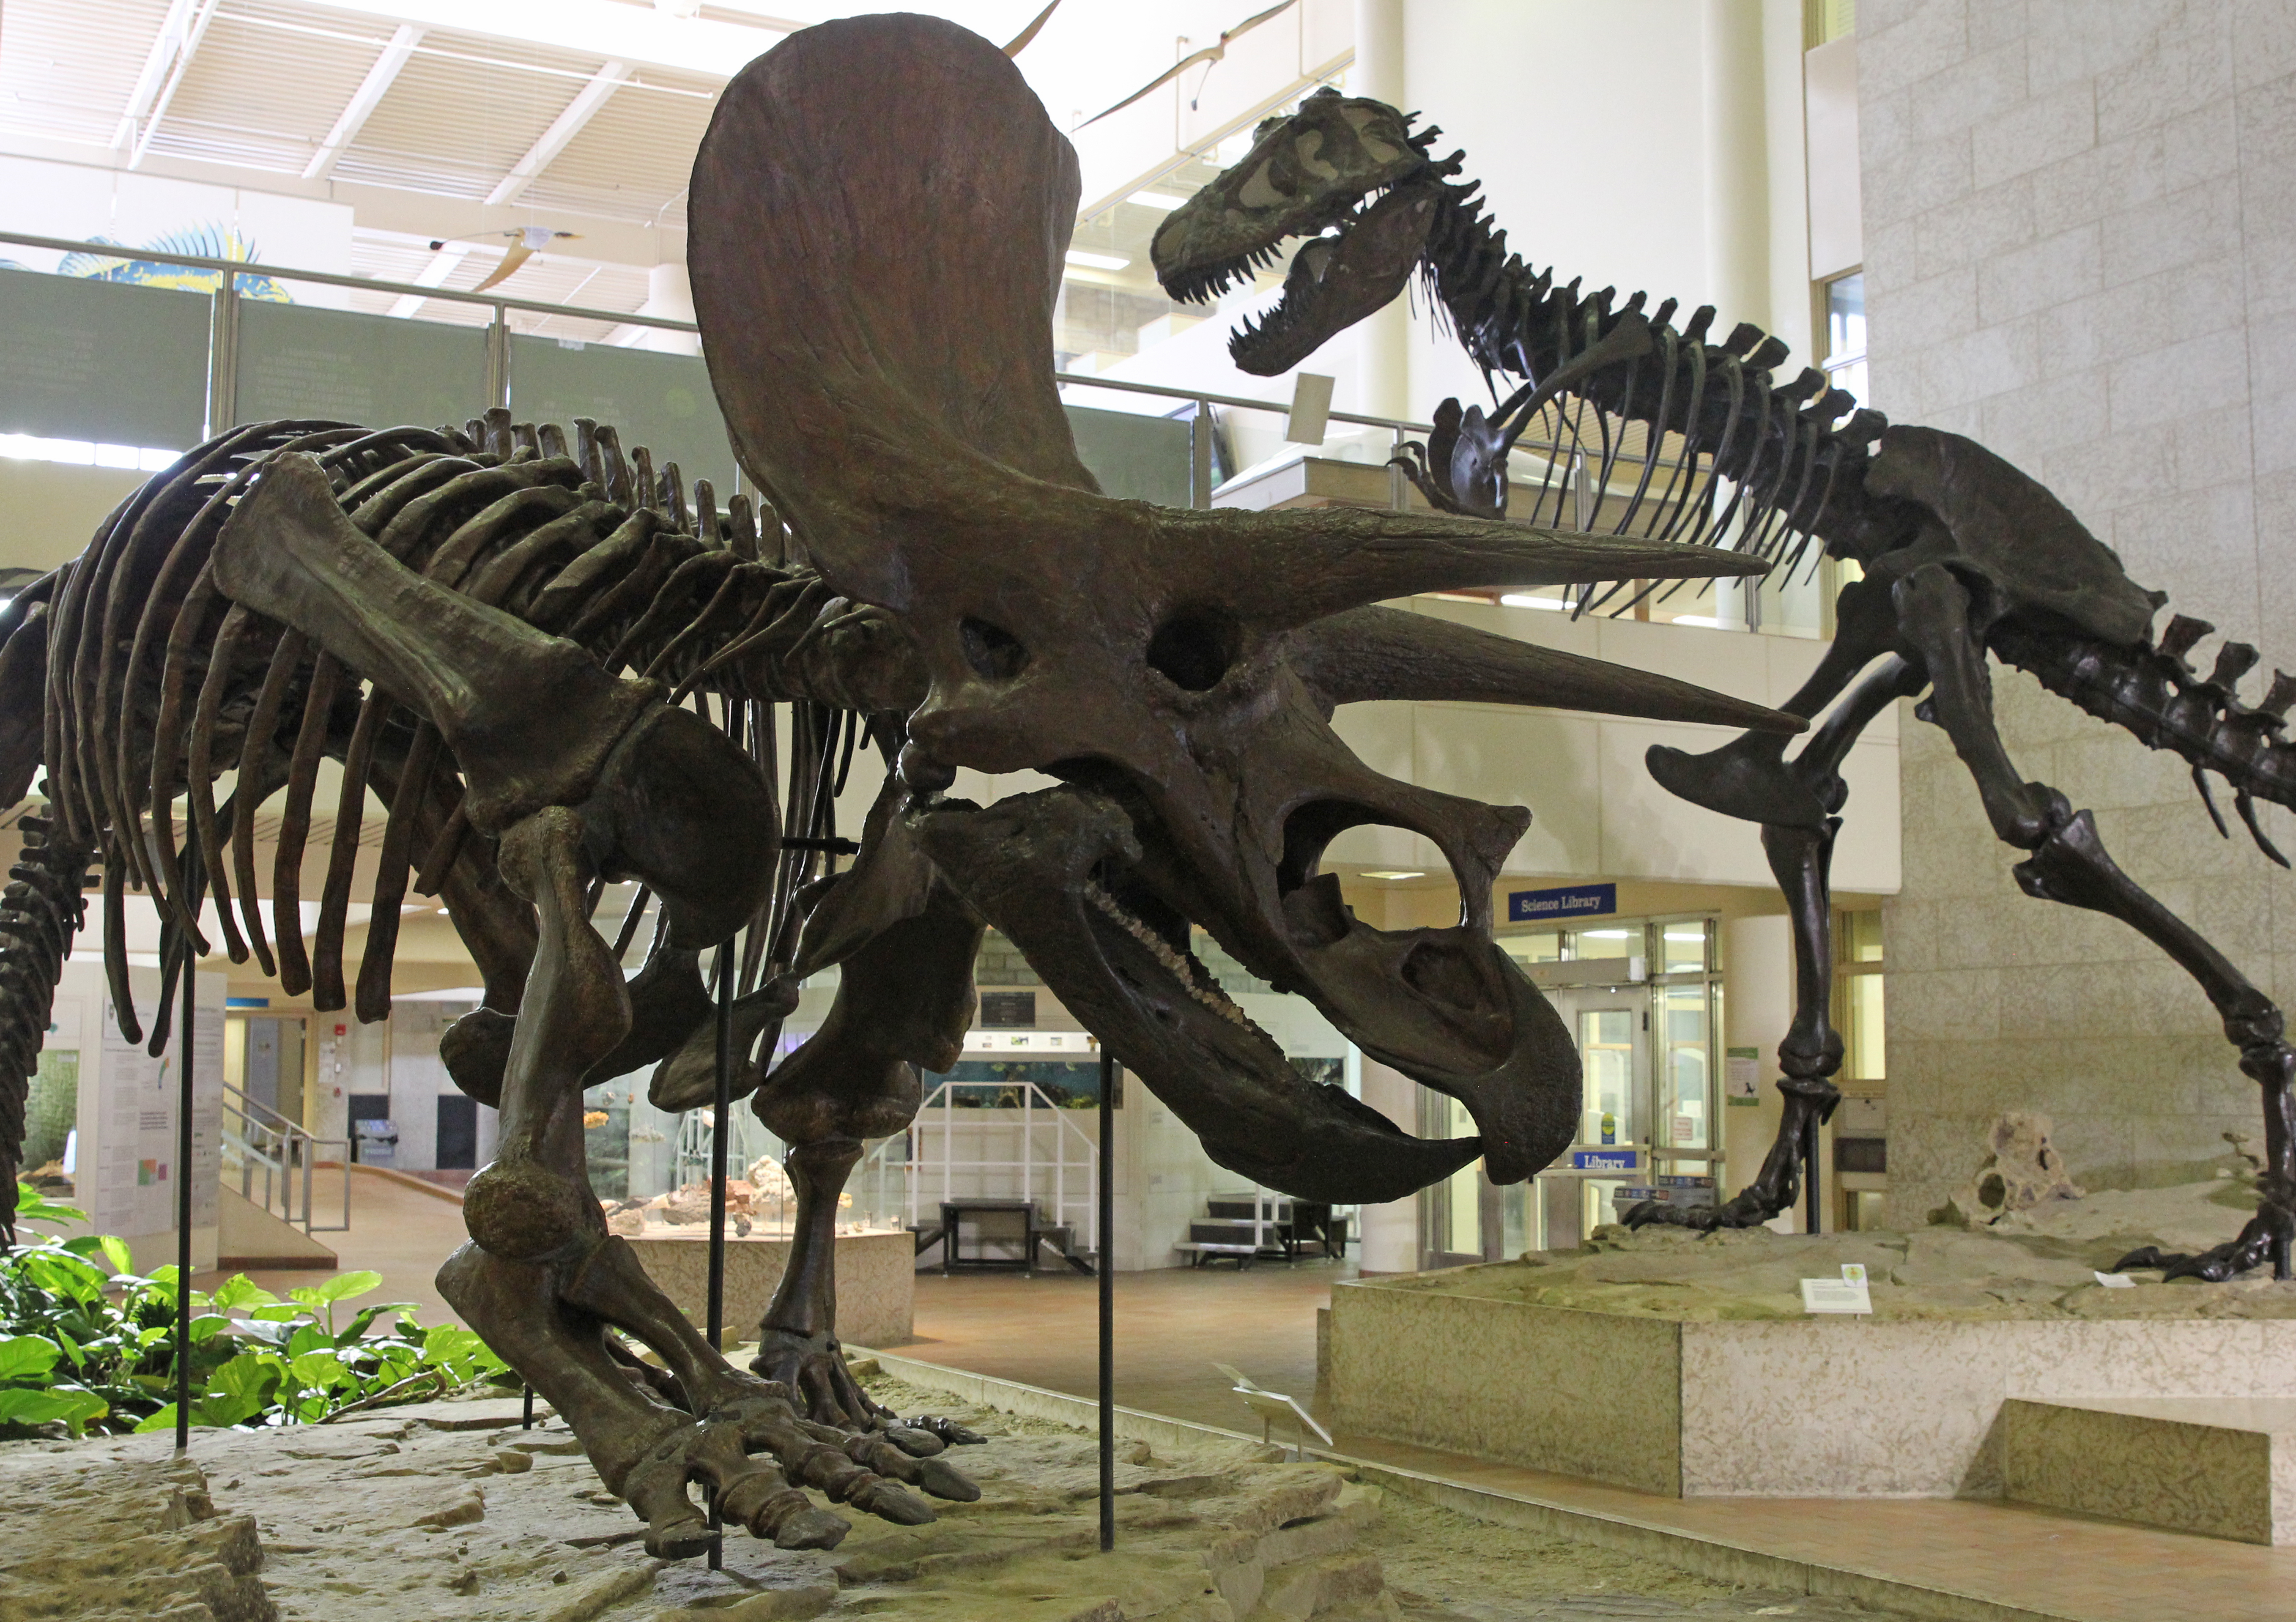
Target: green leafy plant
[89,1344]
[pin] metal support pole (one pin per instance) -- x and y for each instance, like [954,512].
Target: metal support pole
[1809,1171]
[721,1128]
[1106,1195]
[1398,497]
[1199,450]
[498,358]
[223,357]
[183,1209]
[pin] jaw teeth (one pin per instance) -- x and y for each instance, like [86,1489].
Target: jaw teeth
[1182,969]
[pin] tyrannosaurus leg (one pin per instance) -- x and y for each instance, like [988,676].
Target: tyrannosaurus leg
[2069,863]
[1801,857]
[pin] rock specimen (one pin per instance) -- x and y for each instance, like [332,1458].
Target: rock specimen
[2022,1169]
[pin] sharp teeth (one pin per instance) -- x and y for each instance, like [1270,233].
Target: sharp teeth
[1180,967]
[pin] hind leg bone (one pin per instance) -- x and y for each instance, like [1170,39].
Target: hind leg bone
[2069,863]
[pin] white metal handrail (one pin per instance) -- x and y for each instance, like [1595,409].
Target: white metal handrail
[260,1138]
[1065,1178]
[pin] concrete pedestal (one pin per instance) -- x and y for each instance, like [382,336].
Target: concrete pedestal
[876,1280]
[1686,1366]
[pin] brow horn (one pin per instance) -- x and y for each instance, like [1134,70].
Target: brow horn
[1392,653]
[1291,567]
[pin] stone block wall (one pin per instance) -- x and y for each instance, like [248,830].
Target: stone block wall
[2080,248]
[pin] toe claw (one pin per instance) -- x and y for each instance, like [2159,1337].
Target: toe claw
[943,1479]
[812,1529]
[680,1538]
[913,1440]
[890,1501]
[948,1430]
[2146,1256]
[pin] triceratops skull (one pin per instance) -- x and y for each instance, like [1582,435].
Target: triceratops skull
[875,258]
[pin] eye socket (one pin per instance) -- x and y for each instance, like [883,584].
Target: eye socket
[993,651]
[1195,648]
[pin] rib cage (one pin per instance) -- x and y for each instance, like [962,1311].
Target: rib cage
[157,689]
[1794,453]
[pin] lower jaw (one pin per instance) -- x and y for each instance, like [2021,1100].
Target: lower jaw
[1228,1081]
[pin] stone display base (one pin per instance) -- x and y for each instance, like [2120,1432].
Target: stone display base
[1683,1365]
[2224,1467]
[876,1280]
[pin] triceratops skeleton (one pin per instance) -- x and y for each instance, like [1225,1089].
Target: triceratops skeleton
[1962,555]
[555,675]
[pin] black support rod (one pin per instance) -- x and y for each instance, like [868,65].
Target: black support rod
[184,1208]
[1810,1150]
[721,1127]
[1105,1195]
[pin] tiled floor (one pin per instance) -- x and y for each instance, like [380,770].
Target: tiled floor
[1171,1326]
[399,1231]
[1972,1558]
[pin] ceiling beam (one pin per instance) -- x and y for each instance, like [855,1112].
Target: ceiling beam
[165,45]
[706,47]
[396,55]
[563,130]
[177,48]
[442,265]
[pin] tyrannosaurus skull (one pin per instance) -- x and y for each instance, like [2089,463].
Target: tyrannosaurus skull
[1345,172]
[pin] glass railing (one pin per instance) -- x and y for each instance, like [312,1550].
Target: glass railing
[119,374]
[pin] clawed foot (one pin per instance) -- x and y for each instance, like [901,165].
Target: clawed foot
[2265,1239]
[813,1367]
[752,1454]
[1747,1209]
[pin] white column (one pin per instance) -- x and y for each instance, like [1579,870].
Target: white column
[1391,1231]
[1737,165]
[1758,1006]
[670,296]
[1384,341]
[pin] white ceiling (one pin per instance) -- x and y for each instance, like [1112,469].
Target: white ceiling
[455,119]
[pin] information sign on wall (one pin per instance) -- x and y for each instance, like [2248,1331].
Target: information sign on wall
[1572,901]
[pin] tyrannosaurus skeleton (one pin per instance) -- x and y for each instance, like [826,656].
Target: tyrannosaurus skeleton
[1960,555]
[555,675]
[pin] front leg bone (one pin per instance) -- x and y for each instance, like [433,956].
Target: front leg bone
[532,718]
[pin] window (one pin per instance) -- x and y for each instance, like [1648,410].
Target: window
[1844,361]
[1826,21]
[1858,1011]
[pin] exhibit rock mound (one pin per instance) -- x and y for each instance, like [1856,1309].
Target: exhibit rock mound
[559,669]
[451,1510]
[2041,1262]
[1960,557]
[2022,1169]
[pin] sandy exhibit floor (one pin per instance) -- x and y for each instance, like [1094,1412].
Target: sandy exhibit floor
[450,1511]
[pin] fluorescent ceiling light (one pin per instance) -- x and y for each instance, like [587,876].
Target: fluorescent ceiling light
[1685,935]
[1393,872]
[1601,934]
[1156,199]
[1708,621]
[1097,261]
[81,452]
[1516,600]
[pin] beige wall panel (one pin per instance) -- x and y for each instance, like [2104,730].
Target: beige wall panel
[2077,244]
[49,511]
